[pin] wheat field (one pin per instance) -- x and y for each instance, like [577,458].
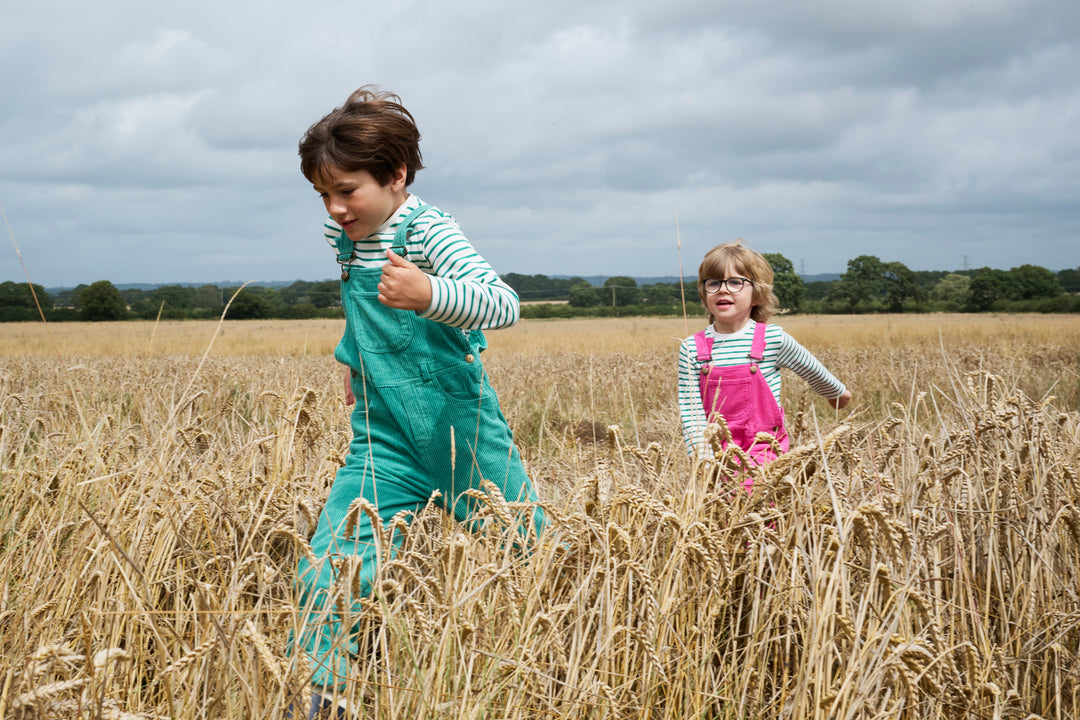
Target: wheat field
[915,556]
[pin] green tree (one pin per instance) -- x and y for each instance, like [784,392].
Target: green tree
[249,306]
[17,302]
[1029,282]
[137,300]
[988,286]
[273,300]
[100,301]
[176,297]
[14,294]
[539,287]
[928,279]
[526,286]
[900,286]
[787,285]
[296,293]
[662,294]
[208,297]
[325,293]
[173,301]
[819,289]
[863,282]
[1070,280]
[621,291]
[583,295]
[953,289]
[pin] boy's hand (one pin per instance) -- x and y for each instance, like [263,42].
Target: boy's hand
[403,285]
[349,397]
[841,401]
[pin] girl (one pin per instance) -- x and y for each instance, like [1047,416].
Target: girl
[416,297]
[731,368]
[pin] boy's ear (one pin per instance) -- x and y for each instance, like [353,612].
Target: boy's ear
[397,180]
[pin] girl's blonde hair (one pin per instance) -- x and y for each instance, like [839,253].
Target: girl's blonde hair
[748,263]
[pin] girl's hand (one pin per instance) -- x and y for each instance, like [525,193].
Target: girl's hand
[841,401]
[403,285]
[349,398]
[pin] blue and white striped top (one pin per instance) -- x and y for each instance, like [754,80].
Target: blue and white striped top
[465,291]
[781,351]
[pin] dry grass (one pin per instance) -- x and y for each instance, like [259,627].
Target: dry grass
[918,556]
[172,337]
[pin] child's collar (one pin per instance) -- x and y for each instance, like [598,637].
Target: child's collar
[710,330]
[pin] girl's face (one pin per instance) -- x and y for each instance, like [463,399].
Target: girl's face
[357,202]
[730,311]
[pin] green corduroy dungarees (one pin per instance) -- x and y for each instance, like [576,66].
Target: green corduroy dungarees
[414,379]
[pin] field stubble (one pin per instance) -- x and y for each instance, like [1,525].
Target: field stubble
[917,556]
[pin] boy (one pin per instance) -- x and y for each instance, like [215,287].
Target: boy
[416,297]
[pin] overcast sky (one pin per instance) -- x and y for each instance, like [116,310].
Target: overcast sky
[156,142]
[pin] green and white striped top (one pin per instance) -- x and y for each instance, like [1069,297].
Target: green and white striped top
[781,351]
[465,291]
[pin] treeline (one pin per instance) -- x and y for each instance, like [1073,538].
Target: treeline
[869,285]
[621,296]
[103,301]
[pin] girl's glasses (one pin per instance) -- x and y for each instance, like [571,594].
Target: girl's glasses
[733,285]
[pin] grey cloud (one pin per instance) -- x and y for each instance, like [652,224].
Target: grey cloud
[160,141]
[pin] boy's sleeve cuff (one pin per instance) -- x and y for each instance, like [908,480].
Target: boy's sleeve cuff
[437,294]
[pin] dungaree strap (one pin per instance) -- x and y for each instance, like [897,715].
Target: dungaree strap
[345,250]
[757,348]
[402,232]
[703,343]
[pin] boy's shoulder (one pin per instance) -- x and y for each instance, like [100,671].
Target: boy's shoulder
[430,217]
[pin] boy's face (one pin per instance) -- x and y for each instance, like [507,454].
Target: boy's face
[357,202]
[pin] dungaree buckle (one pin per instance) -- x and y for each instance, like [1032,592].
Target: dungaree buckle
[344,260]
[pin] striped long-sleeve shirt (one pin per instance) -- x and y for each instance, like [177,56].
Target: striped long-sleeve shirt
[465,291]
[781,351]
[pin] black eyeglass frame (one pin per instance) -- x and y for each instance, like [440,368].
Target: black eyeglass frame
[726,284]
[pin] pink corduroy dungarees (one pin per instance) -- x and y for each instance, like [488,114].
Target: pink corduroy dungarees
[742,397]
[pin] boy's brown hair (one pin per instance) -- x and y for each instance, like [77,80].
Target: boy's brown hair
[747,263]
[372,131]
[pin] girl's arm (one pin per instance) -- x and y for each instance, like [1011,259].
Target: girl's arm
[691,411]
[802,362]
[841,402]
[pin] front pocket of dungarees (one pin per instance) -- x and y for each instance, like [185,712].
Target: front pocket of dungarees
[417,411]
[733,411]
[376,327]
[462,384]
